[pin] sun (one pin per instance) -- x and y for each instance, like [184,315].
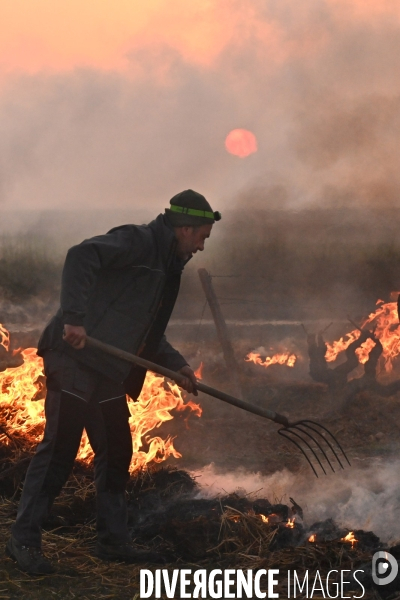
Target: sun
[241,142]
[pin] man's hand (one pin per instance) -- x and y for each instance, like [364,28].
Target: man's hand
[190,381]
[75,335]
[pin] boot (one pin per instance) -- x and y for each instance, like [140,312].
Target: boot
[32,512]
[31,560]
[114,541]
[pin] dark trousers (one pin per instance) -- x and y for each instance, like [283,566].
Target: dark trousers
[78,398]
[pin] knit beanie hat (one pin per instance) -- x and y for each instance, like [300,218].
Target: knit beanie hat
[191,209]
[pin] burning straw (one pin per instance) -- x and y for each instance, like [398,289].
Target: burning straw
[384,322]
[166,513]
[22,411]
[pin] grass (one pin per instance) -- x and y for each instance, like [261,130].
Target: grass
[29,267]
[274,264]
[300,265]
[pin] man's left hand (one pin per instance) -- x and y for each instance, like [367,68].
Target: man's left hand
[190,381]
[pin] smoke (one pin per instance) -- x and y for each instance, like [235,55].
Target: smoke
[365,496]
[315,81]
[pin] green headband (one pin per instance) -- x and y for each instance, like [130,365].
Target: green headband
[194,212]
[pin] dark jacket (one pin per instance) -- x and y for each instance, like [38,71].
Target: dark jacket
[121,287]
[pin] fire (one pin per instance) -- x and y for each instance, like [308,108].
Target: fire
[313,537]
[350,538]
[234,518]
[153,407]
[384,322]
[272,518]
[285,358]
[4,337]
[25,418]
[290,523]
[18,387]
[199,372]
[333,350]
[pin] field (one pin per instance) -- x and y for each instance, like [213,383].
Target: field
[271,264]
[312,267]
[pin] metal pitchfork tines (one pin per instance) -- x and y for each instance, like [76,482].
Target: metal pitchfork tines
[314,445]
[320,445]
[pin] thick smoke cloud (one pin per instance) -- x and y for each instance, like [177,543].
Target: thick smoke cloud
[363,497]
[315,81]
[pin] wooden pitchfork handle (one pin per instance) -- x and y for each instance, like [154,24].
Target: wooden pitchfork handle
[178,378]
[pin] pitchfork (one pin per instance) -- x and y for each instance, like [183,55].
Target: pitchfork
[319,445]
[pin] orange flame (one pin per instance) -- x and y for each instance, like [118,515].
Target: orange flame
[4,337]
[234,518]
[313,537]
[385,324]
[290,523]
[278,359]
[153,407]
[350,538]
[272,518]
[199,372]
[20,385]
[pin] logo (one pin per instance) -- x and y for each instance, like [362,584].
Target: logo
[384,568]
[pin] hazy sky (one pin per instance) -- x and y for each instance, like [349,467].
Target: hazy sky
[124,103]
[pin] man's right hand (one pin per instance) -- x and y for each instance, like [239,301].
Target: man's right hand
[75,335]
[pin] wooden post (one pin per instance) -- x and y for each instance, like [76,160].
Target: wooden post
[222,330]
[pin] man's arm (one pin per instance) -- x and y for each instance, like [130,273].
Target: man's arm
[170,358]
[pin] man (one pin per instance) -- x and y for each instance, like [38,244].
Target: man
[119,288]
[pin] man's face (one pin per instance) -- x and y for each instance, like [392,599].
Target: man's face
[191,239]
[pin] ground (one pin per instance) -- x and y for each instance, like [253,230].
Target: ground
[230,439]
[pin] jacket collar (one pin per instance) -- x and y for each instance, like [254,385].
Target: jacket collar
[166,241]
